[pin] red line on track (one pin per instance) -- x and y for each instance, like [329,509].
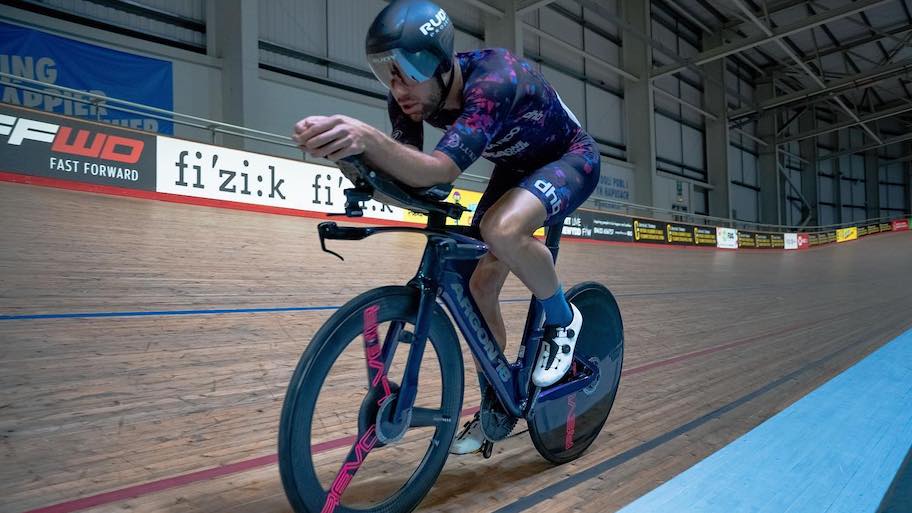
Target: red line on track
[233,205]
[242,466]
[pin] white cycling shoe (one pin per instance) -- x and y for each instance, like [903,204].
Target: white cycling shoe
[561,341]
[470,440]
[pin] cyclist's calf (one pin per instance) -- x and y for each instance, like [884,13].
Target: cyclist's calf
[485,285]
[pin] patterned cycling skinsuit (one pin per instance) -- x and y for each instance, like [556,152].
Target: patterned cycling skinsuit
[515,119]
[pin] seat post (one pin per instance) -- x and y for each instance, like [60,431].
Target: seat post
[436,220]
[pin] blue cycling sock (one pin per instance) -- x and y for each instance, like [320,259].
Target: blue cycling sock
[557,309]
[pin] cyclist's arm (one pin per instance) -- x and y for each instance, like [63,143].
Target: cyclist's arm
[400,154]
[407,164]
[486,105]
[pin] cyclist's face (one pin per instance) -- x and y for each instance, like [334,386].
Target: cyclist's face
[418,100]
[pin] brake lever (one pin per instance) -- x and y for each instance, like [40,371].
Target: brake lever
[321,231]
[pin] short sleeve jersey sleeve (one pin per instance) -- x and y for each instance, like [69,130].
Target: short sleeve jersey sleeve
[486,106]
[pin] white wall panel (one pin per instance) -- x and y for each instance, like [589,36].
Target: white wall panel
[858,193]
[297,24]
[605,115]
[615,182]
[612,7]
[693,148]
[827,189]
[735,166]
[895,196]
[464,42]
[571,91]
[566,30]
[197,92]
[464,14]
[750,168]
[191,9]
[348,23]
[694,97]
[744,203]
[668,138]
[605,50]
[282,105]
[667,196]
[827,215]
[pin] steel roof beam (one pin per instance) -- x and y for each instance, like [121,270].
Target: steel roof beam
[766,30]
[860,149]
[774,35]
[858,81]
[883,114]
[528,6]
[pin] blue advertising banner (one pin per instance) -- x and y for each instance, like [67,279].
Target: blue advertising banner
[38,55]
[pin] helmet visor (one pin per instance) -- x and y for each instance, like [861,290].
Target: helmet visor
[413,67]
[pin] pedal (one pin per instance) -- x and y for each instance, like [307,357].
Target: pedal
[487,448]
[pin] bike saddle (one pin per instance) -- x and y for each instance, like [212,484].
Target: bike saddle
[371,183]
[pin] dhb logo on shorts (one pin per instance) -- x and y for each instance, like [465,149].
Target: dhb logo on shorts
[550,194]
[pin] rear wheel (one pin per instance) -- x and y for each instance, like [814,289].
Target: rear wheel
[564,427]
[334,455]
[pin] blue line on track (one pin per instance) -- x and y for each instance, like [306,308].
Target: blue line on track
[91,315]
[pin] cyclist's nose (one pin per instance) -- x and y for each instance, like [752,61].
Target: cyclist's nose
[398,87]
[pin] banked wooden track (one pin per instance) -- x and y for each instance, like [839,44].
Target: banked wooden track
[178,411]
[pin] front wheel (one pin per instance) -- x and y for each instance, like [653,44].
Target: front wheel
[564,427]
[334,455]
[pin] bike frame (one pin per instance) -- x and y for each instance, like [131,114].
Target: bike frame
[446,267]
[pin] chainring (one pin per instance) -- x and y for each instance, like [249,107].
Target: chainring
[496,423]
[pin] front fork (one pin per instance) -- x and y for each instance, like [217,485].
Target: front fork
[408,389]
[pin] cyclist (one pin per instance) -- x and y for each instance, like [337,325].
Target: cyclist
[491,105]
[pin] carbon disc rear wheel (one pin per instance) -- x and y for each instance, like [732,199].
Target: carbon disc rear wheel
[563,428]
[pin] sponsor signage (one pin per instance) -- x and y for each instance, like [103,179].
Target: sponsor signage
[846,234]
[59,61]
[747,239]
[606,226]
[900,225]
[573,226]
[804,240]
[646,230]
[39,144]
[704,236]
[206,171]
[777,240]
[790,240]
[466,198]
[727,238]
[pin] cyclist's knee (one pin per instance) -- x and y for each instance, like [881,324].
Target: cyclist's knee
[499,232]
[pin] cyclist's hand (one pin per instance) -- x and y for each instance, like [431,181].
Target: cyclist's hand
[332,137]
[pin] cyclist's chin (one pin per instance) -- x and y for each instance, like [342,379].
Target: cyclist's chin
[419,115]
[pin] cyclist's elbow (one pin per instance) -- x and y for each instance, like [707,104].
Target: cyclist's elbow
[447,171]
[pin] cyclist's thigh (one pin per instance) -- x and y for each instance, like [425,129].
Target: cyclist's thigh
[502,180]
[563,185]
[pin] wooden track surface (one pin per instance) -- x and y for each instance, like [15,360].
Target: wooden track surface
[716,342]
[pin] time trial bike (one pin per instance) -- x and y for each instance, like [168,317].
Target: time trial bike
[384,376]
